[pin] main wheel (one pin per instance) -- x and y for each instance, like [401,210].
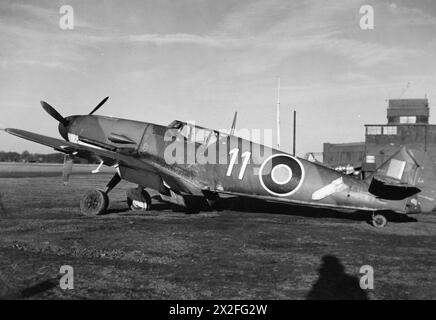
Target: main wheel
[138,199]
[379,221]
[94,203]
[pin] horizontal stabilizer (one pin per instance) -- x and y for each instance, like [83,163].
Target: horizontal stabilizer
[391,190]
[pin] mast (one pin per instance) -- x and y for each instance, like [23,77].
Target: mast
[278,113]
[294,136]
[232,129]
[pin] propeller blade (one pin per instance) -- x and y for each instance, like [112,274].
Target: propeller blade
[102,102]
[51,111]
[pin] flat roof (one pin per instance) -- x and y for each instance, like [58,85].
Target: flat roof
[399,124]
[408,103]
[346,144]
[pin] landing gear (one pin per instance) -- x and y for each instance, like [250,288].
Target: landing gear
[96,202]
[379,221]
[138,199]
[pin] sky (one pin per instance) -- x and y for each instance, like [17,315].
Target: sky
[200,60]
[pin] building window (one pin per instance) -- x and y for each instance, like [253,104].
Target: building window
[408,119]
[390,130]
[370,159]
[373,130]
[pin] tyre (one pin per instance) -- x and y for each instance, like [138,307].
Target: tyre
[379,221]
[138,199]
[94,203]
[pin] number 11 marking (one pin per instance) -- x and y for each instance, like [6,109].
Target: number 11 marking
[234,153]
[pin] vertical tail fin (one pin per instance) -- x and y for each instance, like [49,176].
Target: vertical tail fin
[407,167]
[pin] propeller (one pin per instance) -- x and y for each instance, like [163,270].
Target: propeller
[52,111]
[102,102]
[63,129]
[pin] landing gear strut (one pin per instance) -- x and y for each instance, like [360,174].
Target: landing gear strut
[138,199]
[378,220]
[96,202]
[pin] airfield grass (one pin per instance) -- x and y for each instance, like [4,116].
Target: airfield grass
[167,254]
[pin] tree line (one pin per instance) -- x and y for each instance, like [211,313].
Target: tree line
[26,156]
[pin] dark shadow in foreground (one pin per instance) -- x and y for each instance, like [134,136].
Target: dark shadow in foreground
[334,284]
[40,287]
[34,290]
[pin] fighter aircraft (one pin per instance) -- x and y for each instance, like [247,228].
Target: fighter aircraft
[193,166]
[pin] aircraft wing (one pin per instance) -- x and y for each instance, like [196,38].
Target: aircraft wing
[111,158]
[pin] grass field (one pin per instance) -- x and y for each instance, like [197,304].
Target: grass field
[167,254]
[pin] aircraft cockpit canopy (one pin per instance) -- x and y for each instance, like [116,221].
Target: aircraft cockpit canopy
[195,133]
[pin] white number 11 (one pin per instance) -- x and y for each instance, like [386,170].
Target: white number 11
[234,153]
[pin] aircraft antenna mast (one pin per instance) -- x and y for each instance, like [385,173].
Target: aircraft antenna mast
[232,129]
[278,113]
[294,136]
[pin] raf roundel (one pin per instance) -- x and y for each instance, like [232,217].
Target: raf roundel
[281,175]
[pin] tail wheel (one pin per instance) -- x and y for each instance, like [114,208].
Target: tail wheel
[94,203]
[138,199]
[379,221]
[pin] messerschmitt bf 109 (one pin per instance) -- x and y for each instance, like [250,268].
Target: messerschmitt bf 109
[190,165]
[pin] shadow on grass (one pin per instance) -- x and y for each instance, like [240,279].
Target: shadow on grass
[40,287]
[250,205]
[3,211]
[157,205]
[334,284]
[116,210]
[34,290]
[258,206]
